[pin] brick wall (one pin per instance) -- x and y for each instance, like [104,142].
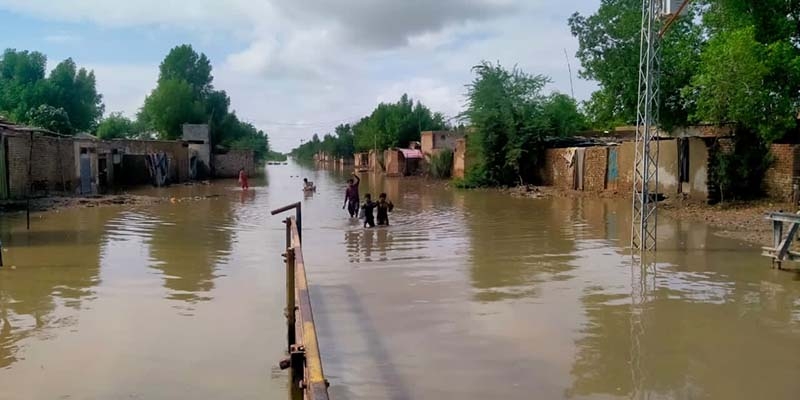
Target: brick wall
[595,164]
[556,171]
[227,165]
[778,179]
[51,165]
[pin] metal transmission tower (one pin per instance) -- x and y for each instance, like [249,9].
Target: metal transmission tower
[645,169]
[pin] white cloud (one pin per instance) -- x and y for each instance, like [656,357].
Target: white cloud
[62,38]
[302,67]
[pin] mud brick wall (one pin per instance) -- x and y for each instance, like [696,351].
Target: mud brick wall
[555,171]
[626,153]
[595,164]
[778,179]
[227,165]
[51,163]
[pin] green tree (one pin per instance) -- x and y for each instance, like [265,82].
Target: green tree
[609,43]
[117,126]
[395,124]
[74,90]
[501,108]
[185,94]
[561,116]
[170,105]
[24,88]
[22,82]
[185,64]
[50,118]
[749,73]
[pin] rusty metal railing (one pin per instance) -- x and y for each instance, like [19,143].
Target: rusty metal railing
[304,362]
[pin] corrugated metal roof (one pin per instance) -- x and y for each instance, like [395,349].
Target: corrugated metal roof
[411,153]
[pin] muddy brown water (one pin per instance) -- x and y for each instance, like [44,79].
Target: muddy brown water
[468,295]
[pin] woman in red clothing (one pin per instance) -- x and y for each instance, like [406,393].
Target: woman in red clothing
[243,179]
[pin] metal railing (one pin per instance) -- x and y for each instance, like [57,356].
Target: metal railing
[304,362]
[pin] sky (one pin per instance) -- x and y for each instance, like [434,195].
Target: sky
[298,67]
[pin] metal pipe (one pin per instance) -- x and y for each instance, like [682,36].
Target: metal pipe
[290,297]
[298,217]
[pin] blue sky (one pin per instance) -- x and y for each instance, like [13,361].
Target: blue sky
[299,67]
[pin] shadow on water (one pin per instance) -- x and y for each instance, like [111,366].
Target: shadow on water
[375,353]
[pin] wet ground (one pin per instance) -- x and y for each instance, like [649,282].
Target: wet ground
[467,295]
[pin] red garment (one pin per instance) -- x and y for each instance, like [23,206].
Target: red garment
[243,180]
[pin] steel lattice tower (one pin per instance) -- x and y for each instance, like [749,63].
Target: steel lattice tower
[645,170]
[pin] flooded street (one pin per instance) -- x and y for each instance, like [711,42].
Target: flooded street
[468,294]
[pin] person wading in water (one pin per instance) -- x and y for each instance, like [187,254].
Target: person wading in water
[384,208]
[369,206]
[243,179]
[351,197]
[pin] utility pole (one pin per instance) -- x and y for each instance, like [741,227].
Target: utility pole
[645,169]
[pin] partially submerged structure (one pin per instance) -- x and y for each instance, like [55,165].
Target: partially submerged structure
[198,138]
[403,162]
[433,142]
[38,162]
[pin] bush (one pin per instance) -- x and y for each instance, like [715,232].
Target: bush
[476,177]
[442,164]
[738,175]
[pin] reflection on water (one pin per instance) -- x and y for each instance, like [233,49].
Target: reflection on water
[466,295]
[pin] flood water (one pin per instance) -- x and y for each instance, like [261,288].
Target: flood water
[468,295]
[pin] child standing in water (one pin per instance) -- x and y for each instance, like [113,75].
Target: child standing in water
[384,208]
[351,196]
[369,206]
[243,179]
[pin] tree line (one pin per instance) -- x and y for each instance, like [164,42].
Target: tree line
[509,114]
[389,125]
[733,62]
[67,102]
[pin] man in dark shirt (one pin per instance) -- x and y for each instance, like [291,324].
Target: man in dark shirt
[369,206]
[351,196]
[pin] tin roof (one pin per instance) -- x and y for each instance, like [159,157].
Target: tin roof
[411,153]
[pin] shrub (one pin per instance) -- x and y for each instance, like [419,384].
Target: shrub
[442,164]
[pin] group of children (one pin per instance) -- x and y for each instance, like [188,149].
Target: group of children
[351,201]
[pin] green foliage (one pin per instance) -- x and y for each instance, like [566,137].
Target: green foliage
[24,88]
[441,164]
[75,91]
[749,83]
[511,117]
[184,64]
[170,105]
[395,125]
[117,126]
[728,61]
[50,118]
[737,174]
[244,136]
[185,94]
[339,145]
[276,156]
[608,50]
